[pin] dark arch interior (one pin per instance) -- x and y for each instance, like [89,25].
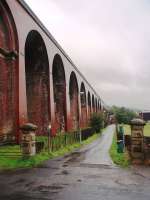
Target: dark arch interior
[89,104]
[59,88]
[97,105]
[93,103]
[8,73]
[37,81]
[83,105]
[74,105]
[100,105]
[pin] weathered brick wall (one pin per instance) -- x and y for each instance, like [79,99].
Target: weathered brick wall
[83,116]
[8,73]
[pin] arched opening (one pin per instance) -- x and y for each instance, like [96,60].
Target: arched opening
[93,104]
[9,84]
[100,105]
[74,104]
[83,106]
[97,105]
[89,105]
[37,81]
[59,89]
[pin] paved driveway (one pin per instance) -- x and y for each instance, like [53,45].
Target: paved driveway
[87,174]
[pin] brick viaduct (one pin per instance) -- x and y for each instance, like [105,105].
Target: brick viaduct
[38,82]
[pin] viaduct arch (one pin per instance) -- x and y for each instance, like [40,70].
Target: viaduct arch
[59,90]
[37,81]
[74,101]
[83,106]
[89,105]
[9,46]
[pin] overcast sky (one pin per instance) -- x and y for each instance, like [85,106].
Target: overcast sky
[108,40]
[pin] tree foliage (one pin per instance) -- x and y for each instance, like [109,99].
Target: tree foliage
[123,115]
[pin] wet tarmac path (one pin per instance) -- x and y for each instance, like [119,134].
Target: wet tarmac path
[86,174]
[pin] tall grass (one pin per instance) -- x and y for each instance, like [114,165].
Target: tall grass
[121,159]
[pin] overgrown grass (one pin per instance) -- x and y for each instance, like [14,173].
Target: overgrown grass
[147,129]
[127,129]
[9,162]
[121,159]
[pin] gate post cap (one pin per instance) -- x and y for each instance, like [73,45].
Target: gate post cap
[28,127]
[137,121]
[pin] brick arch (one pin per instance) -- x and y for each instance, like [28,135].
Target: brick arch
[89,105]
[37,81]
[59,90]
[83,105]
[93,103]
[9,89]
[74,103]
[98,105]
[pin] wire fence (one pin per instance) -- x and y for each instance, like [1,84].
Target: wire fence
[56,142]
[8,146]
[46,143]
[7,139]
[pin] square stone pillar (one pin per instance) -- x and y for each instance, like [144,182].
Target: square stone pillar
[28,138]
[137,141]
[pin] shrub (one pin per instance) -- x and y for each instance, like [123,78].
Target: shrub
[96,122]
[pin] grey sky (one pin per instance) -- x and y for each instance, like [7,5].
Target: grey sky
[108,40]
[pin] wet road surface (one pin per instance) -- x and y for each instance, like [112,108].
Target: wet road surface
[86,174]
[98,151]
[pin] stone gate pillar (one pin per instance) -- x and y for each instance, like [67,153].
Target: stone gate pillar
[137,141]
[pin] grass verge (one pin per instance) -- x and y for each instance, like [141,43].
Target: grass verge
[15,162]
[121,159]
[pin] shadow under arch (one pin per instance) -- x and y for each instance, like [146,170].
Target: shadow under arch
[93,104]
[59,90]
[83,105]
[74,102]
[89,105]
[37,81]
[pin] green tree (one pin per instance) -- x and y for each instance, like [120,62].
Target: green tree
[123,115]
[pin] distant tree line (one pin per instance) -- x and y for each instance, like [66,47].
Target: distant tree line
[122,114]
